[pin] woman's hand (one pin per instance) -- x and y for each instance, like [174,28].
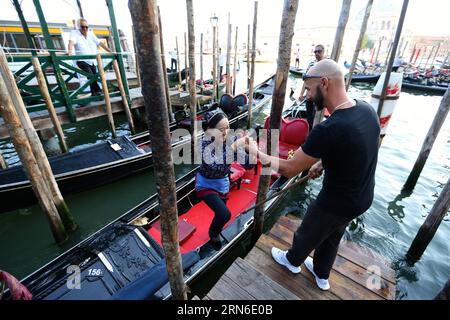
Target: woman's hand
[316,170]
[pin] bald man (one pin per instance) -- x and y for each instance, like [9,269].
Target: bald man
[345,147]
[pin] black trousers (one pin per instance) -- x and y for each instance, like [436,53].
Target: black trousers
[90,68]
[321,231]
[310,113]
[221,213]
[172,63]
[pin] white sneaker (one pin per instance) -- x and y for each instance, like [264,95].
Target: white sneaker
[280,257]
[323,284]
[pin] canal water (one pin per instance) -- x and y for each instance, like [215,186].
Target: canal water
[388,227]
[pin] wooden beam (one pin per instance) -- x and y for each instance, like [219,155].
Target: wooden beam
[252,68]
[279,93]
[431,224]
[235,61]
[101,72]
[359,42]
[192,86]
[201,64]
[227,70]
[126,106]
[163,61]
[179,64]
[428,143]
[49,103]
[145,18]
[214,62]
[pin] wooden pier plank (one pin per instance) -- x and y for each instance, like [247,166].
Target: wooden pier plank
[243,282]
[349,277]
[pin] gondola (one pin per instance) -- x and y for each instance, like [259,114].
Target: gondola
[362,77]
[296,71]
[438,89]
[104,162]
[124,260]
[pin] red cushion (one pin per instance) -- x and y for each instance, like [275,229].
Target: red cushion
[237,171]
[185,229]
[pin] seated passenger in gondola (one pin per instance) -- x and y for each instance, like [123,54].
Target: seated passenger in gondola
[212,183]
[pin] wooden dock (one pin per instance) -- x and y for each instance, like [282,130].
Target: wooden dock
[358,273]
[41,119]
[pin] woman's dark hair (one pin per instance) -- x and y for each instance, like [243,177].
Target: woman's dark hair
[212,121]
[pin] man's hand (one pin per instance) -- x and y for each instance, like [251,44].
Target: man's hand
[316,170]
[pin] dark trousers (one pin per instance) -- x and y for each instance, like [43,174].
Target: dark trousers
[221,213]
[321,231]
[221,71]
[90,68]
[310,113]
[172,63]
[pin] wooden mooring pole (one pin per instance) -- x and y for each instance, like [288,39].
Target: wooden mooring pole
[392,57]
[36,145]
[444,294]
[279,93]
[359,43]
[435,54]
[214,57]
[252,67]
[338,39]
[163,61]
[228,70]
[192,86]
[179,64]
[29,162]
[49,103]
[248,58]
[201,64]
[126,106]
[235,61]
[145,17]
[427,145]
[101,72]
[186,62]
[431,224]
[378,50]
[429,56]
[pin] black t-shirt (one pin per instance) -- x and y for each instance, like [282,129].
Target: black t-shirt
[347,142]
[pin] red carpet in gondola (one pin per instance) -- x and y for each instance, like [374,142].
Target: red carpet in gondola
[200,215]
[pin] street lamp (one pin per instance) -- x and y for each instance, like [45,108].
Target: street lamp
[214,20]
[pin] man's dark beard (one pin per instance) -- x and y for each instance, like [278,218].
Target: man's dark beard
[319,99]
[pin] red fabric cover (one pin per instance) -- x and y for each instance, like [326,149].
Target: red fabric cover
[185,229]
[18,290]
[293,133]
[237,171]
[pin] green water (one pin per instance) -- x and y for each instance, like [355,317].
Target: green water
[388,227]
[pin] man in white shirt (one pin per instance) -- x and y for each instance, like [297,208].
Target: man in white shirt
[86,42]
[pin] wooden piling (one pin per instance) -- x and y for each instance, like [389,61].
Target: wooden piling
[228,70]
[252,67]
[429,56]
[179,64]
[435,55]
[201,64]
[49,103]
[192,86]
[126,106]
[446,59]
[163,61]
[235,62]
[36,145]
[144,14]
[279,93]
[138,73]
[388,53]
[413,52]
[3,164]
[392,57]
[431,224]
[339,36]
[427,145]
[338,39]
[359,42]
[186,62]
[248,58]
[101,72]
[22,145]
[444,294]
[378,50]
[214,63]
[404,49]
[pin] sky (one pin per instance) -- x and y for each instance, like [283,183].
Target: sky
[424,17]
